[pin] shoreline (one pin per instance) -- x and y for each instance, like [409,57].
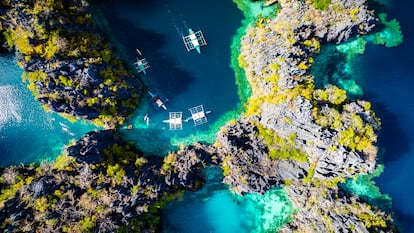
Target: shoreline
[290,135]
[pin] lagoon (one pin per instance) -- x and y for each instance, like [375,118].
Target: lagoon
[187,79]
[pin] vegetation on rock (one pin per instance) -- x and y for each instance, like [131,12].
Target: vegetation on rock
[102,187]
[69,64]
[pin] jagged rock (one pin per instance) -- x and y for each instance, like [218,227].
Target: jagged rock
[329,210]
[90,148]
[250,168]
[186,170]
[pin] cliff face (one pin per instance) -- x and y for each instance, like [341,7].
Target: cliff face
[293,135]
[101,185]
[70,66]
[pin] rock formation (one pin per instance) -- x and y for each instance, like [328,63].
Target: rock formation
[101,185]
[70,65]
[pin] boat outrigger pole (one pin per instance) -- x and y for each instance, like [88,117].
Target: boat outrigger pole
[194,40]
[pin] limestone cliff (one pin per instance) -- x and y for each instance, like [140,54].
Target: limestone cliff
[69,64]
[304,139]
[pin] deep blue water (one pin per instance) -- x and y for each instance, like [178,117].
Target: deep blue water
[388,81]
[27,133]
[187,79]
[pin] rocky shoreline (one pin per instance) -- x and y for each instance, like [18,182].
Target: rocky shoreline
[292,135]
[304,139]
[69,64]
[101,185]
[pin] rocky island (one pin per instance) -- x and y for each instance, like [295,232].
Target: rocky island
[70,65]
[292,135]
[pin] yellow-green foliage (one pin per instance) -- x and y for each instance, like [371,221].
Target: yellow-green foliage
[119,154]
[372,220]
[8,37]
[65,163]
[225,165]
[67,82]
[116,171]
[51,47]
[311,172]
[313,43]
[359,138]
[88,223]
[169,162]
[41,204]
[320,4]
[10,192]
[140,162]
[35,76]
[332,94]
[329,117]
[280,148]
[354,14]
[21,40]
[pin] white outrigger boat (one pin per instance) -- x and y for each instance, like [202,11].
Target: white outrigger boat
[198,115]
[194,40]
[175,121]
[141,64]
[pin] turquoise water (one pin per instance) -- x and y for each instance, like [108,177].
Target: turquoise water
[27,133]
[215,209]
[387,79]
[187,79]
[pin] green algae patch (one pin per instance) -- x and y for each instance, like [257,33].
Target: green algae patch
[390,36]
[339,65]
[269,211]
[365,187]
[253,10]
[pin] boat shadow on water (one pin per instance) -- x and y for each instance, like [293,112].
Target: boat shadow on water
[165,74]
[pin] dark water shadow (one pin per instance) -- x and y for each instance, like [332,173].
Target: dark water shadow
[163,74]
[391,137]
[404,222]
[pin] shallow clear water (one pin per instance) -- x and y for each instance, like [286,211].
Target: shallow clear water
[388,81]
[187,79]
[215,209]
[27,133]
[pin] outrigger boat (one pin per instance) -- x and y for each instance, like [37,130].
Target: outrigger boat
[157,101]
[194,40]
[141,64]
[198,115]
[175,121]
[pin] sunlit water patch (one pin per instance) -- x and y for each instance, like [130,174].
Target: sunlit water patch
[215,209]
[27,133]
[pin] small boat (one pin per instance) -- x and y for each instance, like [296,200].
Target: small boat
[157,101]
[198,115]
[141,64]
[146,119]
[194,40]
[175,120]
